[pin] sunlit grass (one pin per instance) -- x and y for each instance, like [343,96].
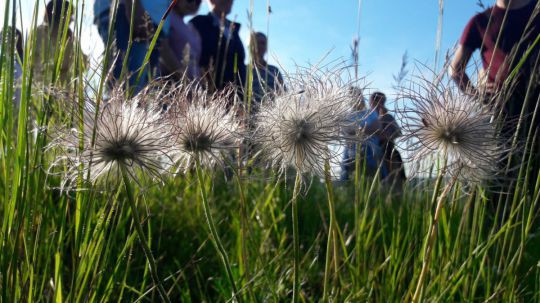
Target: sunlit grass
[82,245]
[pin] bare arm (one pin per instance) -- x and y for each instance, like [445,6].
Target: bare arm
[458,67]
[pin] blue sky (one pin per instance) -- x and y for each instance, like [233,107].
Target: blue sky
[304,31]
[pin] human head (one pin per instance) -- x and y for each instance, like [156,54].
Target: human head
[258,45]
[377,100]
[220,7]
[56,12]
[187,7]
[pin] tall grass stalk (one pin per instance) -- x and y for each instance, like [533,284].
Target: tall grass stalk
[438,38]
[244,232]
[81,246]
[142,238]
[216,240]
[296,237]
[432,232]
[331,242]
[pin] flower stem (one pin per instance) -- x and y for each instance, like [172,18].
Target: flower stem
[213,231]
[244,257]
[296,237]
[331,232]
[432,235]
[142,238]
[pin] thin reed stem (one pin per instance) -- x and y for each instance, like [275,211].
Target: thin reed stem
[142,238]
[432,235]
[296,237]
[331,232]
[213,231]
[244,253]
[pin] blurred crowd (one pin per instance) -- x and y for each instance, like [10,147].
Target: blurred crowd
[207,49]
[147,40]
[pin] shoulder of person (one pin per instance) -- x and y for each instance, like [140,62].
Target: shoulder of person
[41,28]
[367,116]
[481,17]
[193,29]
[388,117]
[236,26]
[274,69]
[484,15]
[41,34]
[200,20]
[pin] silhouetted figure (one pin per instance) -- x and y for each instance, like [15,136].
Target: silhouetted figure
[145,15]
[365,126]
[49,41]
[223,54]
[266,78]
[184,39]
[16,55]
[388,133]
[504,34]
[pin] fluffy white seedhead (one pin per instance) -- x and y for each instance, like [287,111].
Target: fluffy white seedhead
[122,132]
[443,124]
[296,128]
[204,127]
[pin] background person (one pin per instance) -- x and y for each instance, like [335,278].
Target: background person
[223,54]
[120,40]
[168,59]
[184,38]
[49,43]
[266,78]
[102,10]
[504,34]
[146,17]
[388,133]
[367,122]
[17,56]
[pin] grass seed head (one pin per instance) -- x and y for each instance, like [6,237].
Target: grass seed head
[296,128]
[120,133]
[204,128]
[457,129]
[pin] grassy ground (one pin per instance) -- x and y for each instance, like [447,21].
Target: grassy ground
[60,249]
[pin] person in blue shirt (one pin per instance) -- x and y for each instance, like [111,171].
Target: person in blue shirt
[147,15]
[365,125]
[169,62]
[101,18]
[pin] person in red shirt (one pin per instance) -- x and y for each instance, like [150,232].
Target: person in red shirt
[505,34]
[502,33]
